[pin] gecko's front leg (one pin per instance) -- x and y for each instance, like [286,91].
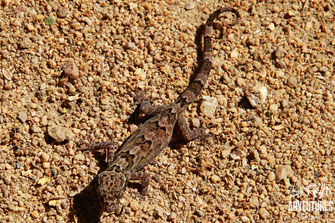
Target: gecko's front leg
[186,133]
[108,148]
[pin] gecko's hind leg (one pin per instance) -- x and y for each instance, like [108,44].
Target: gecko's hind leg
[107,148]
[186,133]
[144,179]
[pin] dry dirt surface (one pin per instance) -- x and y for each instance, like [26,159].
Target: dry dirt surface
[68,75]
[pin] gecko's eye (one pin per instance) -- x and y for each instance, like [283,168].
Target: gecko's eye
[110,186]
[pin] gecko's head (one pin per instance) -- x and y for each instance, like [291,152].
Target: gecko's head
[110,187]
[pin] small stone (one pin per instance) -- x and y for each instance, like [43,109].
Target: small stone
[171,169]
[44,180]
[140,73]
[52,203]
[159,212]
[46,165]
[231,217]
[44,157]
[292,82]
[245,219]
[254,202]
[71,70]
[165,69]
[215,178]
[271,26]
[30,27]
[257,95]
[23,116]
[234,53]
[264,214]
[190,6]
[271,177]
[7,180]
[274,107]
[8,166]
[222,100]
[208,106]
[225,153]
[35,129]
[134,205]
[308,25]
[195,122]
[284,103]
[25,43]
[234,156]
[279,53]
[59,133]
[172,216]
[62,12]
[34,214]
[240,81]
[79,157]
[130,45]
[283,172]
[278,127]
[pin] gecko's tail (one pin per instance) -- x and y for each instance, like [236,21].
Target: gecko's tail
[199,82]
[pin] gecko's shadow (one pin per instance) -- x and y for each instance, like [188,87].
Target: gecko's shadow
[86,206]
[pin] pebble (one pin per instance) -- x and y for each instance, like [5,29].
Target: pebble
[25,43]
[62,12]
[271,26]
[208,106]
[257,95]
[263,213]
[46,165]
[283,172]
[59,133]
[130,46]
[79,157]
[159,212]
[195,122]
[140,74]
[234,53]
[271,176]
[44,157]
[71,70]
[254,202]
[274,107]
[215,178]
[23,116]
[134,205]
[292,82]
[190,6]
[34,214]
[30,27]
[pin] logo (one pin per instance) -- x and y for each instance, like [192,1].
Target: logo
[317,195]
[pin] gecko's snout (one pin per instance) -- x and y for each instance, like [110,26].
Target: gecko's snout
[110,187]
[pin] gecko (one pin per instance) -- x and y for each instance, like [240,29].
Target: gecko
[149,140]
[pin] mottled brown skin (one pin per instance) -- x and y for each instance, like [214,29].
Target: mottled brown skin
[153,135]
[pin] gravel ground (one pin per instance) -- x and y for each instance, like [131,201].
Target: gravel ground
[68,74]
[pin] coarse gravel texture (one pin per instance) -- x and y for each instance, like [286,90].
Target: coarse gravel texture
[68,74]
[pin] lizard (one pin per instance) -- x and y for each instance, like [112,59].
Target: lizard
[150,138]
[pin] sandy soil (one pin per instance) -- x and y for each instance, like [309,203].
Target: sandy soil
[68,74]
